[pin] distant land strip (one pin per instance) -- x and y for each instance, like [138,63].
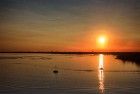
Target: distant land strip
[51,52]
[124,56]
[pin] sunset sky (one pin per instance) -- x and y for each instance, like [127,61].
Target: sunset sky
[69,25]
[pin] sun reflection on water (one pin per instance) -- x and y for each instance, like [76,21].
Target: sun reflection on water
[101,74]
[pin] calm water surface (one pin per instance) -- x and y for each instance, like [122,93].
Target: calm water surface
[77,74]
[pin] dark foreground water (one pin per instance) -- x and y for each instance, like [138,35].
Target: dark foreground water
[77,74]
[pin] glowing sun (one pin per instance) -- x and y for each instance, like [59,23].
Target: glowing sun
[102,40]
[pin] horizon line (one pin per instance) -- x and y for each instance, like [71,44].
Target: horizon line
[72,52]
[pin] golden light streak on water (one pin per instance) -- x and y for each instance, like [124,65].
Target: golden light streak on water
[101,74]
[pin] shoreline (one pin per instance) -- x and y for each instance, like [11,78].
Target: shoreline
[113,53]
[124,56]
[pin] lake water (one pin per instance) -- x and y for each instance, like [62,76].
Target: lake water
[28,73]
